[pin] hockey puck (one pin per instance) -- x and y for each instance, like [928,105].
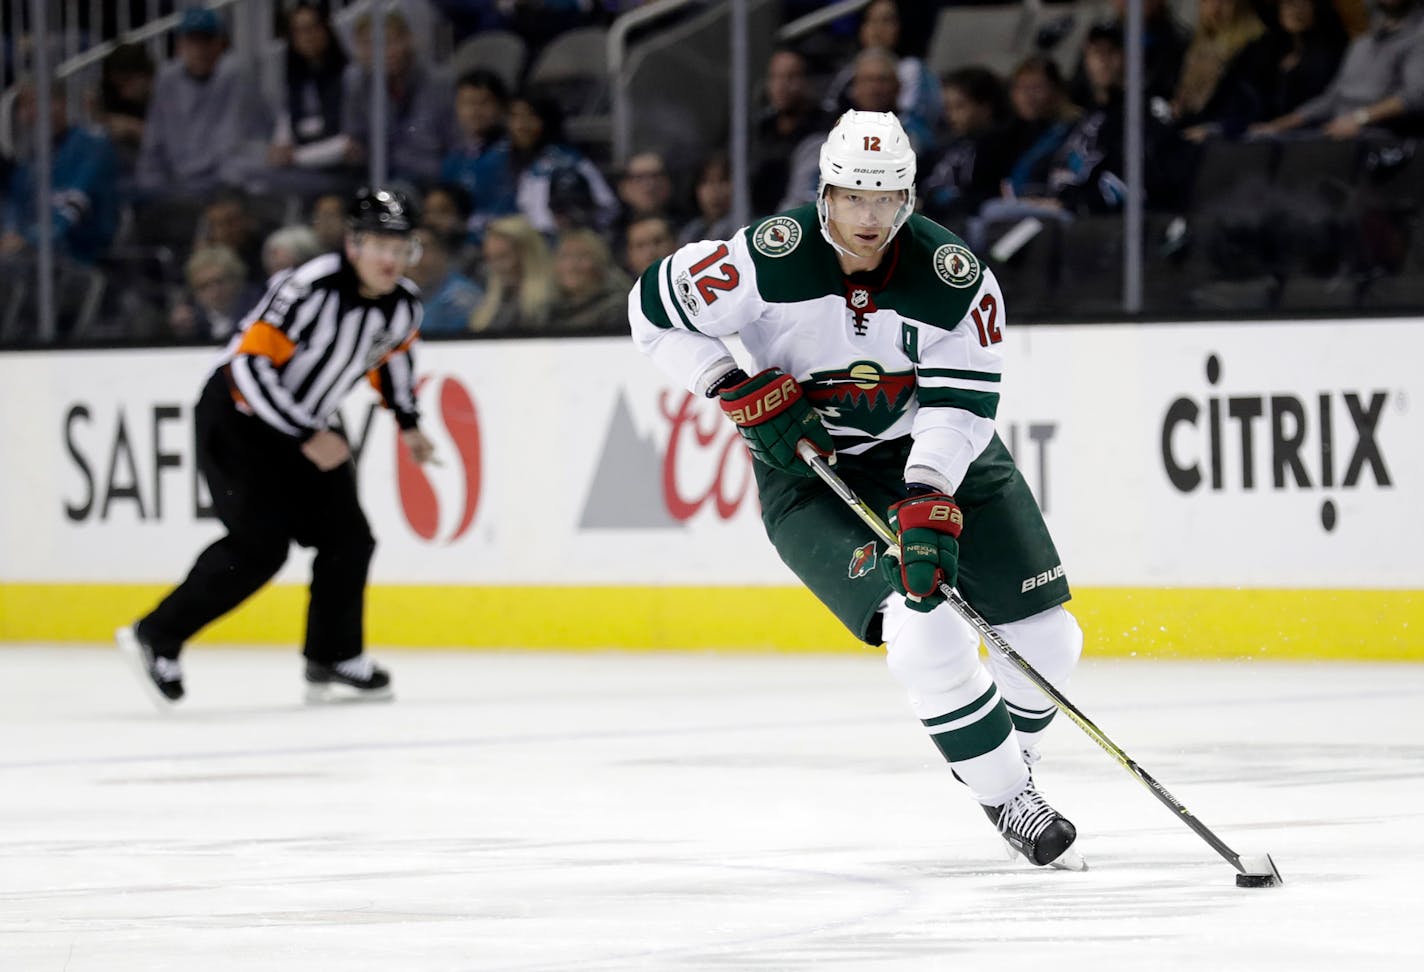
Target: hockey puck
[1256,881]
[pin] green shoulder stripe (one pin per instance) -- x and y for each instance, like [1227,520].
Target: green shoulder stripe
[648,297]
[793,262]
[937,278]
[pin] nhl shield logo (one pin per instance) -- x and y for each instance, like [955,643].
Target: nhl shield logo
[859,298]
[777,237]
[862,561]
[956,266]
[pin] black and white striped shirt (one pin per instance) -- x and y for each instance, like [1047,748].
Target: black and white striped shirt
[311,338]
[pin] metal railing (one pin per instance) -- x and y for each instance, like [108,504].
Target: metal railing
[817,19]
[617,59]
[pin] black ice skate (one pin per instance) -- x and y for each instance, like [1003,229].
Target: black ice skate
[162,678]
[354,680]
[1037,831]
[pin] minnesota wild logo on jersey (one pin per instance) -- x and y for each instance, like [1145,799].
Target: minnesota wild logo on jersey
[864,396]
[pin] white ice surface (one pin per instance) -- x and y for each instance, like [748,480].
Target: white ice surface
[720,812]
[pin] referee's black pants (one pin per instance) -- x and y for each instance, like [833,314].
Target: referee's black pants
[268,495]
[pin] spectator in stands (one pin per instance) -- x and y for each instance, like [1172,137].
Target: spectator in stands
[918,101]
[649,239]
[875,86]
[1044,116]
[519,283]
[1380,83]
[125,89]
[1164,45]
[308,136]
[418,129]
[789,116]
[447,209]
[978,151]
[1086,172]
[712,198]
[591,293]
[479,159]
[1212,81]
[206,123]
[540,159]
[228,220]
[328,220]
[83,206]
[449,296]
[644,186]
[217,297]
[1290,65]
[288,247]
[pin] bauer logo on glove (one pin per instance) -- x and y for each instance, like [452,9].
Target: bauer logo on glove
[773,416]
[927,526]
[772,401]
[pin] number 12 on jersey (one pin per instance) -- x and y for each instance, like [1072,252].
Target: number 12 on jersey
[986,319]
[708,283]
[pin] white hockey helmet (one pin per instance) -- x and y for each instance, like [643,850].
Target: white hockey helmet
[867,150]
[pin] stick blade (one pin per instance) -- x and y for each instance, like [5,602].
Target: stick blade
[1259,872]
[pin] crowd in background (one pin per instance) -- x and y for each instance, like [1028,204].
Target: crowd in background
[191,190]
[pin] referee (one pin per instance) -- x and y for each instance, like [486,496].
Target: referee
[278,472]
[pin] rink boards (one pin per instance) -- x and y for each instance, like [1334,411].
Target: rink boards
[1215,490]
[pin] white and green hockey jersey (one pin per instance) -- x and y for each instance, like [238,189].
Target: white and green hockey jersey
[910,348]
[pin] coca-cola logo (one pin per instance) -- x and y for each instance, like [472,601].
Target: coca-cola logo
[690,461]
[440,502]
[705,461]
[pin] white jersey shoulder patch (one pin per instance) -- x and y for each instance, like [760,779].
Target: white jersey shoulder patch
[777,236]
[956,265]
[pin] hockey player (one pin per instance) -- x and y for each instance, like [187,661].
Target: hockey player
[279,472]
[875,334]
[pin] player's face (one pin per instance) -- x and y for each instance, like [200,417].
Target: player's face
[381,259]
[860,219]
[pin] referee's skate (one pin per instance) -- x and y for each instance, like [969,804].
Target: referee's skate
[354,680]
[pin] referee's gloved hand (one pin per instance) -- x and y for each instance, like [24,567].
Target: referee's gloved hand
[772,414]
[927,526]
[327,450]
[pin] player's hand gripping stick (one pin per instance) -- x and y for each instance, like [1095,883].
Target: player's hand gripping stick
[926,529]
[771,412]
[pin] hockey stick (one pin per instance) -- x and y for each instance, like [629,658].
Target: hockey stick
[1254,872]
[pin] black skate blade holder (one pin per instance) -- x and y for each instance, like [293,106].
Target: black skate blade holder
[1257,871]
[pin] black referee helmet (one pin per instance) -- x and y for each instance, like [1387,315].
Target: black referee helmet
[374,209]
